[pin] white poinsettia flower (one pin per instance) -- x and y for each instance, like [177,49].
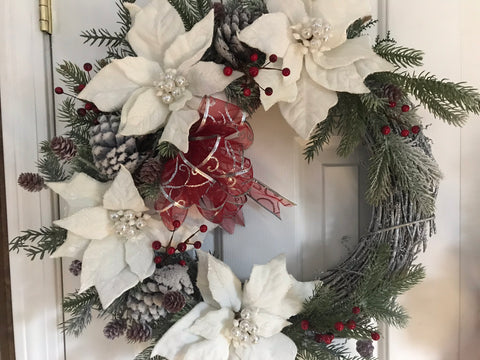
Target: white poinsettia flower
[310,36]
[162,86]
[109,228]
[234,323]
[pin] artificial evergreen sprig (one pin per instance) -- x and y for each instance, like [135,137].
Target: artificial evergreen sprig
[80,307]
[191,11]
[399,55]
[50,165]
[39,242]
[72,75]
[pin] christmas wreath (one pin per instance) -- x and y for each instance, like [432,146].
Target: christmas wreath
[154,158]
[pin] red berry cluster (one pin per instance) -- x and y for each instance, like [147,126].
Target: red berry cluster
[252,71]
[404,133]
[181,246]
[405,108]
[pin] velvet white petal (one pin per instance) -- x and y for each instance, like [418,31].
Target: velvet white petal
[269,324]
[345,78]
[178,127]
[143,113]
[188,48]
[281,90]
[74,246]
[350,51]
[372,64]
[216,349]
[102,260]
[202,280]
[110,289]
[207,78]
[90,223]
[138,255]
[177,339]
[154,27]
[123,194]
[225,287]
[211,325]
[80,191]
[277,347]
[307,111]
[270,33]
[294,61]
[116,82]
[294,9]
[179,103]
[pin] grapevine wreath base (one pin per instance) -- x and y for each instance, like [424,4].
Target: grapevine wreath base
[155,157]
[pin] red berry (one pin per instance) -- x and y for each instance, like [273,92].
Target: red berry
[328,338]
[375,336]
[351,324]
[268,91]
[254,57]
[339,326]
[58,90]
[405,108]
[415,129]
[171,250]
[157,259]
[319,338]
[95,110]
[392,104]
[176,224]
[203,228]
[285,72]
[247,92]
[89,106]
[386,130]
[182,247]
[227,71]
[405,133]
[304,324]
[197,244]
[253,71]
[356,310]
[80,87]
[273,58]
[182,262]
[87,67]
[157,245]
[81,112]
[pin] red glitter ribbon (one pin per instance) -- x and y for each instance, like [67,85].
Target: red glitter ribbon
[214,174]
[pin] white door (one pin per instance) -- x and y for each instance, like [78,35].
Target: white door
[327,216]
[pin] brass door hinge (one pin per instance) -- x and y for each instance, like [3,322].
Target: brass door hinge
[45,15]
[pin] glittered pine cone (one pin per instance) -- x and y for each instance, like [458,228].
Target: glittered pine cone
[31,181]
[64,148]
[75,267]
[173,301]
[365,348]
[150,171]
[137,332]
[114,329]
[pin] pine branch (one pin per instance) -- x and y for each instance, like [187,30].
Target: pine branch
[191,11]
[72,75]
[49,165]
[39,242]
[167,150]
[399,55]
[147,353]
[102,37]
[320,137]
[80,307]
[234,94]
[359,26]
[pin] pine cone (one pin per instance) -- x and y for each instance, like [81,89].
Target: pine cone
[150,171]
[111,150]
[173,301]
[31,181]
[75,267]
[139,332]
[365,348]
[114,329]
[392,92]
[64,148]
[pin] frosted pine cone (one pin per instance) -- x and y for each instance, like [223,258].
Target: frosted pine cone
[64,148]
[111,150]
[114,329]
[365,348]
[139,332]
[173,301]
[150,171]
[31,181]
[75,267]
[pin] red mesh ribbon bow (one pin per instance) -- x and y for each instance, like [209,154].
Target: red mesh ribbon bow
[214,174]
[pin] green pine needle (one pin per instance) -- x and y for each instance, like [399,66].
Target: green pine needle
[49,165]
[359,26]
[191,11]
[72,75]
[80,307]
[399,55]
[320,137]
[39,242]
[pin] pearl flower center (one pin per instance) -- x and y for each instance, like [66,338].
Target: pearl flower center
[244,330]
[127,223]
[313,33]
[170,86]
